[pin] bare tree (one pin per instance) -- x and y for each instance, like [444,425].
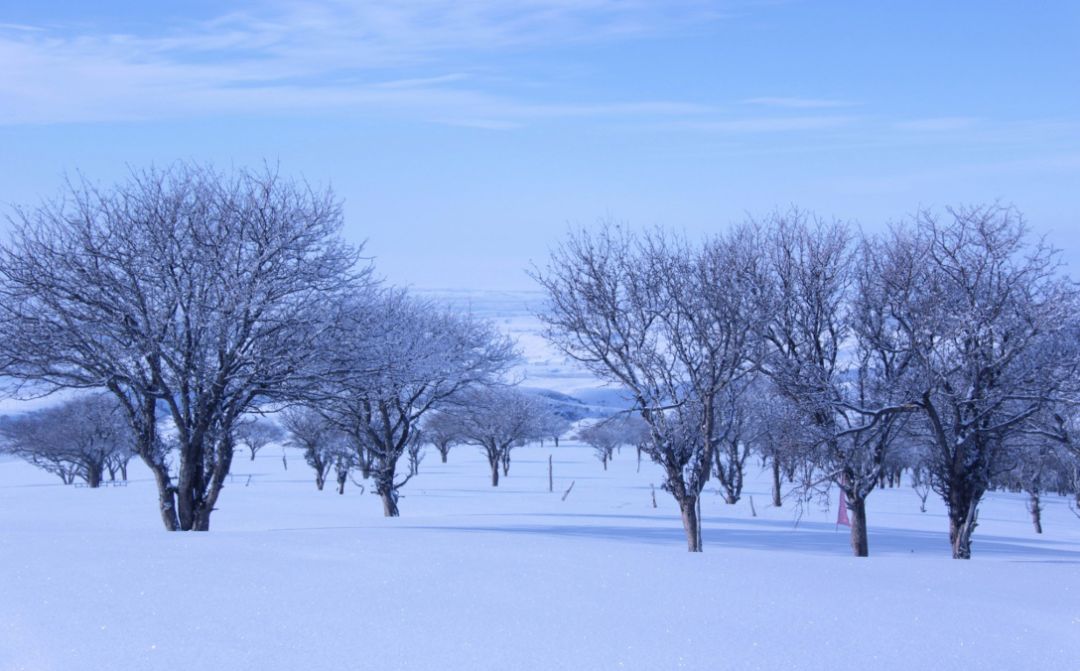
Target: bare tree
[819,301]
[670,323]
[78,438]
[399,358]
[742,430]
[185,290]
[608,434]
[311,432]
[416,453]
[255,433]
[988,323]
[496,419]
[440,429]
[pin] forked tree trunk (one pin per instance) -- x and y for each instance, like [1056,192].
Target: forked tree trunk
[384,487]
[963,519]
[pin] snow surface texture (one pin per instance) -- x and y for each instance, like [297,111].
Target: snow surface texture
[515,578]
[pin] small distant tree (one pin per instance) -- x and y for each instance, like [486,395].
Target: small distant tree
[255,433]
[311,432]
[496,419]
[416,453]
[607,435]
[79,438]
[553,425]
[440,429]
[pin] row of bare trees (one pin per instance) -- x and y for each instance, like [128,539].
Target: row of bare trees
[83,438]
[199,299]
[492,416]
[947,345]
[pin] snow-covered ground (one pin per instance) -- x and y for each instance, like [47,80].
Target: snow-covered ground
[471,577]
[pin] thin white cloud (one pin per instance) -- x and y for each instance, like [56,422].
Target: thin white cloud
[290,56]
[798,103]
[938,124]
[770,124]
[20,27]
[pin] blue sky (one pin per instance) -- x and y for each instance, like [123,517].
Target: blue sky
[465,137]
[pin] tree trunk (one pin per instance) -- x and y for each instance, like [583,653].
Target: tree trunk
[166,494]
[962,523]
[93,475]
[365,467]
[776,500]
[1036,511]
[691,522]
[860,544]
[342,477]
[442,455]
[389,504]
[494,472]
[320,478]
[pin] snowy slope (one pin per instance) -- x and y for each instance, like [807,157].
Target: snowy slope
[515,578]
[543,366]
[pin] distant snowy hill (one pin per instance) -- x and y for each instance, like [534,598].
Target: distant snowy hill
[544,367]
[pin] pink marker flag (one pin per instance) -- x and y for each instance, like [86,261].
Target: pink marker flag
[841,513]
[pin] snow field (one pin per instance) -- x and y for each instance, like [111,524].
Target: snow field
[515,578]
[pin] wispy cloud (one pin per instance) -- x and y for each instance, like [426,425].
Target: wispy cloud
[798,103]
[769,124]
[294,56]
[938,124]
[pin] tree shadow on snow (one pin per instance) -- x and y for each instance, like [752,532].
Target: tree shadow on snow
[774,536]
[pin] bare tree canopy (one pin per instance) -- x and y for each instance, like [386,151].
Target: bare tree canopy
[497,418]
[396,359]
[989,320]
[257,432]
[183,290]
[670,322]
